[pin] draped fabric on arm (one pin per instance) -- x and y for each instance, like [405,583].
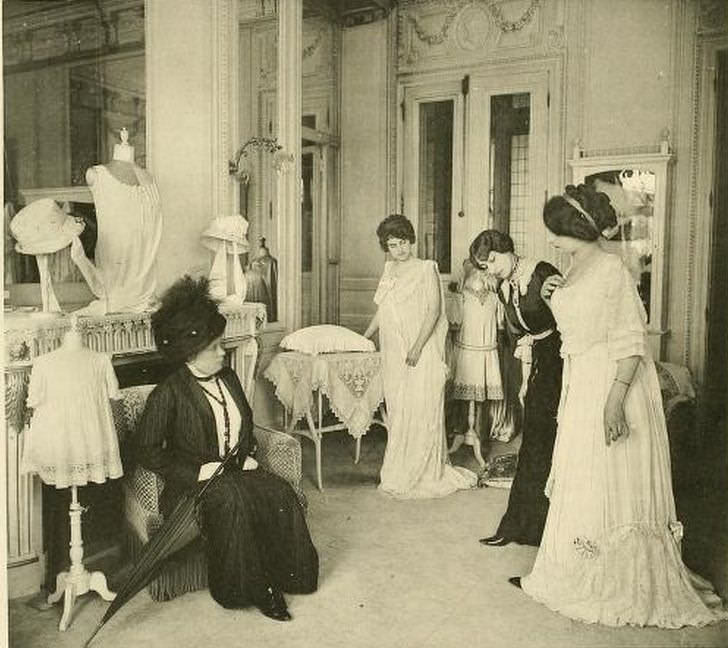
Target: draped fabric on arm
[626,334]
[154,444]
[432,289]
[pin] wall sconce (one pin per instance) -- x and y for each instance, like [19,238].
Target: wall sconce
[269,144]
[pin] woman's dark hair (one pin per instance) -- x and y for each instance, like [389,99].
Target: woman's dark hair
[489,241]
[395,226]
[563,219]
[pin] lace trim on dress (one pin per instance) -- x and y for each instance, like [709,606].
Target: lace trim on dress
[477,392]
[78,474]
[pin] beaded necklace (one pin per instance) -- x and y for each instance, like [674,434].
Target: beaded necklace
[222,401]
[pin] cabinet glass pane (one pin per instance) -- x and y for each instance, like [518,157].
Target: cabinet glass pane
[435,182]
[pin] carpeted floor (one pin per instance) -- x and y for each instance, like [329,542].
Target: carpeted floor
[404,574]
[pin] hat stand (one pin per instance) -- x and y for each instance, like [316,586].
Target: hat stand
[47,295]
[225,264]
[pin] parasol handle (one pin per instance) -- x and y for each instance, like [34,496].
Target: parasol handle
[93,634]
[233,451]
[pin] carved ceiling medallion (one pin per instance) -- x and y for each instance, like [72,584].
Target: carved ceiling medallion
[472,29]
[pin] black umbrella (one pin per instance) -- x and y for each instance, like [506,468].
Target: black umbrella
[178,530]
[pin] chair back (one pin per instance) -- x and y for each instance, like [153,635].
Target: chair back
[129,408]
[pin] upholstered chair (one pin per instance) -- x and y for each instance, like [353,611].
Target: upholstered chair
[277,452]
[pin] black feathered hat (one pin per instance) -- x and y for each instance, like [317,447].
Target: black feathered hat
[187,321]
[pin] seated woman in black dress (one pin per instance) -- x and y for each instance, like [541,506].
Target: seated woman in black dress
[538,344]
[257,541]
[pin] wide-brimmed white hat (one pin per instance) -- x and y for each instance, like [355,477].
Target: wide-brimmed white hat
[42,227]
[231,229]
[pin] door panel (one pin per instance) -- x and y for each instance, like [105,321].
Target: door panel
[475,156]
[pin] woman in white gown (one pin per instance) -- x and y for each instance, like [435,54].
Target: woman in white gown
[610,551]
[412,328]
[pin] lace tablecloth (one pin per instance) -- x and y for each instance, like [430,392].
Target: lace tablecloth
[351,381]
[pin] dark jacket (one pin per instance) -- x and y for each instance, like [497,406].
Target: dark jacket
[536,314]
[177,434]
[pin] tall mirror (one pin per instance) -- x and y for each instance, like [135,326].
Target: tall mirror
[74,75]
[638,188]
[319,240]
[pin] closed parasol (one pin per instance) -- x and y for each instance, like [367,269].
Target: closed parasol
[179,529]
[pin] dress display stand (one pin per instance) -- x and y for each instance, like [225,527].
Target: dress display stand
[129,218]
[470,438]
[70,448]
[263,280]
[477,378]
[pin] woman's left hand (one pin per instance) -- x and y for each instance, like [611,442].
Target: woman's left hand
[615,422]
[413,357]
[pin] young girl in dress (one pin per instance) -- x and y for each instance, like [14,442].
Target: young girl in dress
[610,551]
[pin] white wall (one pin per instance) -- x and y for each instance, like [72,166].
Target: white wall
[628,72]
[363,166]
[180,128]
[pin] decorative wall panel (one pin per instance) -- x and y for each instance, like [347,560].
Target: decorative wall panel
[446,33]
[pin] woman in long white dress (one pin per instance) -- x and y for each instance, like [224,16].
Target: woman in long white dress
[412,328]
[610,551]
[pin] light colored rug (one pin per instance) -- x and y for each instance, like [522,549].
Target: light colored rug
[394,574]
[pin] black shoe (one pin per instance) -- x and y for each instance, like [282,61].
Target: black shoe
[515,581]
[495,541]
[274,606]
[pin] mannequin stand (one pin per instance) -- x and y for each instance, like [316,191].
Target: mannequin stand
[77,581]
[47,295]
[470,438]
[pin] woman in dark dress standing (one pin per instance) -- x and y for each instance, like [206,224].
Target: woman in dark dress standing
[537,341]
[257,541]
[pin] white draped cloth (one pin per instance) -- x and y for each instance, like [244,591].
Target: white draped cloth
[352,382]
[416,463]
[610,551]
[129,221]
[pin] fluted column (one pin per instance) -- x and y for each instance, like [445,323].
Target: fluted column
[290,36]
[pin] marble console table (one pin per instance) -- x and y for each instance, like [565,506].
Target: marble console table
[125,336]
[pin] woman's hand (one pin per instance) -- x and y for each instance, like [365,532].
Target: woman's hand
[207,470]
[615,422]
[413,356]
[549,285]
[250,463]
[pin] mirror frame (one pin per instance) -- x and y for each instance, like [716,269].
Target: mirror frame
[659,164]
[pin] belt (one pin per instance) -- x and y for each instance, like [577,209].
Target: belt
[524,352]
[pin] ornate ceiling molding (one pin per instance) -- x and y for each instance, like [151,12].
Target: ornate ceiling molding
[432,30]
[72,33]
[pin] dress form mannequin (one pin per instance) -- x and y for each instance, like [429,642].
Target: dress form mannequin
[129,219]
[66,455]
[122,165]
[265,268]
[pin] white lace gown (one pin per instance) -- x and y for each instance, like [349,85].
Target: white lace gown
[610,551]
[416,463]
[72,438]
